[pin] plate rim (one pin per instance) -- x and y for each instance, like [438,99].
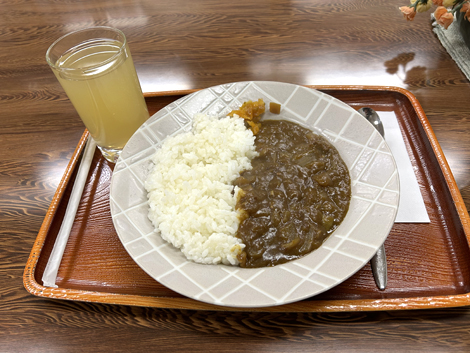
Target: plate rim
[248,305]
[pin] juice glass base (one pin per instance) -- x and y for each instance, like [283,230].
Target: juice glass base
[110,154]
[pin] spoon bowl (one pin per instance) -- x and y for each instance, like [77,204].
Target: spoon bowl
[372,116]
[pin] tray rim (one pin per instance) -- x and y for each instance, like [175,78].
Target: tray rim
[444,301]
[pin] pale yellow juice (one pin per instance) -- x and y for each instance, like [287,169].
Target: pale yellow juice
[108,98]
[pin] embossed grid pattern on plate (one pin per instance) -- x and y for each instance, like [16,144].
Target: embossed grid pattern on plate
[374,202]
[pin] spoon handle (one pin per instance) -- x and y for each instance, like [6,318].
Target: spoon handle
[378,264]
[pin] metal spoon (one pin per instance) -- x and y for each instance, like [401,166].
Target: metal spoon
[378,262]
[371,115]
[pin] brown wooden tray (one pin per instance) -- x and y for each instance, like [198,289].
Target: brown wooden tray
[428,264]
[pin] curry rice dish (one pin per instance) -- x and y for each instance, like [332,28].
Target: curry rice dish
[224,197]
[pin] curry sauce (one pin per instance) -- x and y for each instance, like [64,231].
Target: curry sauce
[295,196]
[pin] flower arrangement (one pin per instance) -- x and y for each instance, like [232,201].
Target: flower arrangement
[444,13]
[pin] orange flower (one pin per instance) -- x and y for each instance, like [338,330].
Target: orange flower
[441,10]
[408,12]
[437,2]
[466,8]
[443,17]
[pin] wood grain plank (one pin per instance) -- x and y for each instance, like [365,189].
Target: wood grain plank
[186,44]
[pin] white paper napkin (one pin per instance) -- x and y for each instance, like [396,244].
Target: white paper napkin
[411,208]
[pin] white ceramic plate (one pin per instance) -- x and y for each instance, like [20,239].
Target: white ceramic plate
[374,202]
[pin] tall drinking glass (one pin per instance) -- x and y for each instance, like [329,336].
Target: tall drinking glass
[95,68]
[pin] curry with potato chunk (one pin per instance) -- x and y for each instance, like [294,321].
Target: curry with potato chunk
[295,196]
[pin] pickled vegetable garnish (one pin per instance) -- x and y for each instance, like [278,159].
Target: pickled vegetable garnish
[251,112]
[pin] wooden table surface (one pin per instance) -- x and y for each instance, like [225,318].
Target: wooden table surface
[183,44]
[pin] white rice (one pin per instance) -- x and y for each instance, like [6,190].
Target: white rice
[191,197]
